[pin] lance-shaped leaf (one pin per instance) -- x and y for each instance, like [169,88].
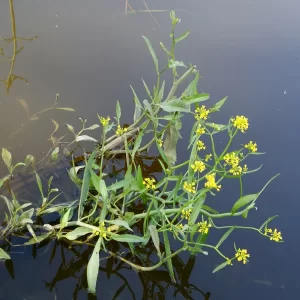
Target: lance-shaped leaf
[78,232]
[93,268]
[155,238]
[152,54]
[175,105]
[7,158]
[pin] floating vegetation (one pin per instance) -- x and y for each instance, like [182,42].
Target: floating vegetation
[138,210]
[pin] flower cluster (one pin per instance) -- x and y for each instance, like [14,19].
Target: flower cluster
[200,145]
[120,130]
[233,160]
[102,230]
[198,165]
[208,157]
[186,213]
[190,187]
[201,113]
[159,142]
[204,227]
[242,255]
[241,123]
[149,183]
[274,234]
[211,182]
[252,147]
[200,130]
[104,121]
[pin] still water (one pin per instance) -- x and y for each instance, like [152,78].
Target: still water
[90,52]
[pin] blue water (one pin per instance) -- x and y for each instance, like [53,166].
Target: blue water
[90,54]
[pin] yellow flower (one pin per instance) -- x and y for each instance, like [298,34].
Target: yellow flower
[120,130]
[245,168]
[242,255]
[200,130]
[276,236]
[198,165]
[201,113]
[104,121]
[204,227]
[200,145]
[241,123]
[102,230]
[208,157]
[190,187]
[232,159]
[149,183]
[236,170]
[251,146]
[160,142]
[211,183]
[186,214]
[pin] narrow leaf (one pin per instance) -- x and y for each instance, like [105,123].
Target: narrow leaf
[244,200]
[93,268]
[78,232]
[152,54]
[225,236]
[155,238]
[85,138]
[4,255]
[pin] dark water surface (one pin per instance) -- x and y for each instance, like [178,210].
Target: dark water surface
[91,52]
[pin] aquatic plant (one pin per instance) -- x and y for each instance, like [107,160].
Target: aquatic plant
[174,207]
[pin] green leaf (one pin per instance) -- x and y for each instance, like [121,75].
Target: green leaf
[118,111]
[225,236]
[119,223]
[164,48]
[65,219]
[4,255]
[127,238]
[221,266]
[2,180]
[70,128]
[244,200]
[175,64]
[26,216]
[54,154]
[161,93]
[182,36]
[7,158]
[197,207]
[137,143]
[138,106]
[168,254]
[175,105]
[39,183]
[191,90]
[65,108]
[147,90]
[93,268]
[170,143]
[38,239]
[152,54]
[119,184]
[218,105]
[86,183]
[155,238]
[78,232]
[195,98]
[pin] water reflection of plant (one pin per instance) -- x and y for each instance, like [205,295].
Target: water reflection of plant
[173,207]
[16,49]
